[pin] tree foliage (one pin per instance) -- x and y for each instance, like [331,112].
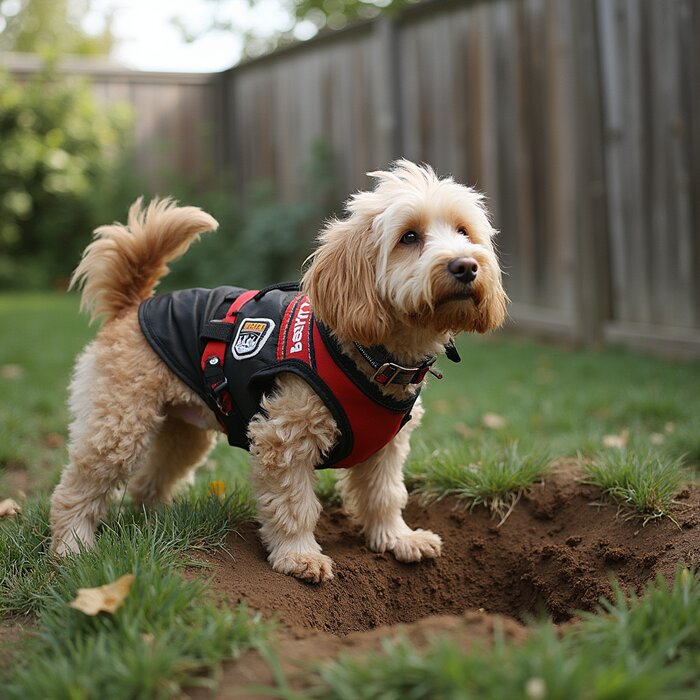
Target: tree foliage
[56,146]
[307,17]
[51,28]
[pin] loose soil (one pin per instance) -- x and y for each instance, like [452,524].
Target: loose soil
[553,556]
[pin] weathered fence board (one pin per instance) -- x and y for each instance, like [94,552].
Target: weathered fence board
[649,60]
[175,114]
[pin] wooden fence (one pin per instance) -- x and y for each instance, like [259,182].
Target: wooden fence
[176,116]
[580,119]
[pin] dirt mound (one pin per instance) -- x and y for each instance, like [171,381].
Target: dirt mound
[553,556]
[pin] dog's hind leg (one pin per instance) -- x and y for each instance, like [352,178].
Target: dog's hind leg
[177,449]
[116,398]
[95,468]
[374,493]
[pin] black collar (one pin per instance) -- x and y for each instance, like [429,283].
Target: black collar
[386,371]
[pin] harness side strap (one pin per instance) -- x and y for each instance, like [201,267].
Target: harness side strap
[215,352]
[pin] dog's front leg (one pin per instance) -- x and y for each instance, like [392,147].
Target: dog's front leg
[375,494]
[287,443]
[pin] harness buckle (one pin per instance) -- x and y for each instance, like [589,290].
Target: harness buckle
[219,392]
[219,387]
[217,383]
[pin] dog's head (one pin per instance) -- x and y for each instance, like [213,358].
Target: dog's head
[415,252]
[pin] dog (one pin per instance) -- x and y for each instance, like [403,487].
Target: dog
[411,264]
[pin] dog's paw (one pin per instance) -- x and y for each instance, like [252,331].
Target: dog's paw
[307,566]
[409,545]
[417,545]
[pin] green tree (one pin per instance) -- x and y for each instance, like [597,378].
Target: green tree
[307,17]
[57,148]
[51,28]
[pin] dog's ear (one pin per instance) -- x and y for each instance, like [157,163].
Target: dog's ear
[341,283]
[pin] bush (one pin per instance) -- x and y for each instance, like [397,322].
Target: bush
[56,146]
[66,167]
[263,240]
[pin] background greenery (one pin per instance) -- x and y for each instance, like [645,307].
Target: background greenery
[66,168]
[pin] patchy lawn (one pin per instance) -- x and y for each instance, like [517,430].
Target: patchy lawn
[522,449]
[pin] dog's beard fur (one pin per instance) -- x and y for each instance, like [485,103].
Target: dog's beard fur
[370,288]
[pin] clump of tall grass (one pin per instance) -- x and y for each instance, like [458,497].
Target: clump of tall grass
[643,483]
[493,477]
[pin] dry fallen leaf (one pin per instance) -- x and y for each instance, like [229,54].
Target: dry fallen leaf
[536,689]
[441,407]
[217,488]
[464,430]
[53,440]
[618,441]
[8,508]
[11,372]
[493,421]
[107,598]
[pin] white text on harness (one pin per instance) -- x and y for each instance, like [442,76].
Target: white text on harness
[298,330]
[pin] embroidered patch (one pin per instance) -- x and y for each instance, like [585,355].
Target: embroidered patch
[251,337]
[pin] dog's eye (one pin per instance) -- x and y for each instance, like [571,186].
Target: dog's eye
[463,231]
[410,238]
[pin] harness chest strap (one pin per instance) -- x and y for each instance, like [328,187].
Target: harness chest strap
[220,333]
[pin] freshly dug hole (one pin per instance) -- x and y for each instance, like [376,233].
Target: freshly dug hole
[554,555]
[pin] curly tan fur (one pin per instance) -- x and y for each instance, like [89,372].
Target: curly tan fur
[123,265]
[151,431]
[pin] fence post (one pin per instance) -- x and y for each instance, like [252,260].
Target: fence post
[387,91]
[592,288]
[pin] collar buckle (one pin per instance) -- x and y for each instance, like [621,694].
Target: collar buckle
[390,372]
[387,373]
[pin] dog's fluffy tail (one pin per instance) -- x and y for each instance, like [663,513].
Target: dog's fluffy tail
[123,265]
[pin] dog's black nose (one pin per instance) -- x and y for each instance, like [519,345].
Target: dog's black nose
[463,269]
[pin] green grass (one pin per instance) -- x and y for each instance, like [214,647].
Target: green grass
[492,477]
[643,483]
[29,571]
[646,649]
[41,334]
[561,401]
[167,633]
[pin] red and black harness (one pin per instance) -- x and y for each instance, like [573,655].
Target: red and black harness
[245,338]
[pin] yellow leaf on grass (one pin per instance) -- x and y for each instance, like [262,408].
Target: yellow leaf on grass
[217,488]
[620,441]
[464,430]
[107,598]
[493,421]
[8,507]
[441,407]
[11,372]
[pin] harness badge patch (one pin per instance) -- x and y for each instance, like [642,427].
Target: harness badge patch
[251,337]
